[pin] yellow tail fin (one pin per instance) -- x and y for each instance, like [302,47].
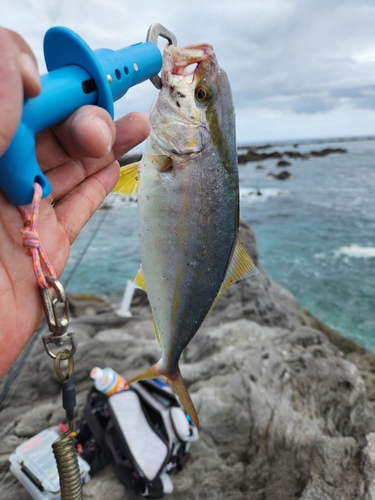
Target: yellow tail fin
[177,384]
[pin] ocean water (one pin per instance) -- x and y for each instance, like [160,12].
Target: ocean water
[315,233]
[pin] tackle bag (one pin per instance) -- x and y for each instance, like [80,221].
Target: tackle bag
[143,431]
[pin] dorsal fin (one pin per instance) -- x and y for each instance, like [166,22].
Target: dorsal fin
[128,180]
[240,267]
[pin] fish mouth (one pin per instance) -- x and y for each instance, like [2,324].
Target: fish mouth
[185,61]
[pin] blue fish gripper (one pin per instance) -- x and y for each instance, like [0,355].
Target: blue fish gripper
[77,76]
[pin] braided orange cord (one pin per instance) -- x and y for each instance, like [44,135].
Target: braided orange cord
[31,239]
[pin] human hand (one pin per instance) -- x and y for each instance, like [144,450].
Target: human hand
[79,157]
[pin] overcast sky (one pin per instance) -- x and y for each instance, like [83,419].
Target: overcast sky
[298,68]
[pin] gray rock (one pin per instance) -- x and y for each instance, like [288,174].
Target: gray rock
[285,402]
[285,406]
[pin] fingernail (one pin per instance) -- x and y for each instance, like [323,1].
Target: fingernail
[104,131]
[91,134]
[30,71]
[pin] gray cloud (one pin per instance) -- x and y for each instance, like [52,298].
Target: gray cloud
[303,59]
[297,57]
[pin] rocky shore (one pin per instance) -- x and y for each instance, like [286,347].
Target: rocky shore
[252,154]
[287,405]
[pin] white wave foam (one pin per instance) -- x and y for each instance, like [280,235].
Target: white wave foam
[357,251]
[252,194]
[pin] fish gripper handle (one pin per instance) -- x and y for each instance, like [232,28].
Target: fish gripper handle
[77,75]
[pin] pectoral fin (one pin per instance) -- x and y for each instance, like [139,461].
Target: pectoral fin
[162,162]
[128,180]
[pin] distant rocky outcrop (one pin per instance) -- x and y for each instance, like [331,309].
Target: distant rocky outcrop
[286,404]
[252,154]
[328,151]
[283,163]
[282,176]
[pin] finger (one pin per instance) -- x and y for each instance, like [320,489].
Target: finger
[75,209]
[18,78]
[49,151]
[85,134]
[11,90]
[88,132]
[89,126]
[131,130]
[27,64]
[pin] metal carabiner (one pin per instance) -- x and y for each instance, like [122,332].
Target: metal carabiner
[58,327]
[60,340]
[154,31]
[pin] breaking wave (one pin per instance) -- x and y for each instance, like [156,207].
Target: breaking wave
[357,252]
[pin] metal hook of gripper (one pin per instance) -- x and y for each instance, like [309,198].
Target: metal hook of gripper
[153,33]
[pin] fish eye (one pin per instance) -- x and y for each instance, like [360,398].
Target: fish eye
[203,93]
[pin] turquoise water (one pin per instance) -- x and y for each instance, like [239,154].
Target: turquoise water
[113,255]
[315,233]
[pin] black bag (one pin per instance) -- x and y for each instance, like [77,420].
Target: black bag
[143,431]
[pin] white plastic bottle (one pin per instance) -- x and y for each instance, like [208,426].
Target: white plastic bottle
[108,381]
